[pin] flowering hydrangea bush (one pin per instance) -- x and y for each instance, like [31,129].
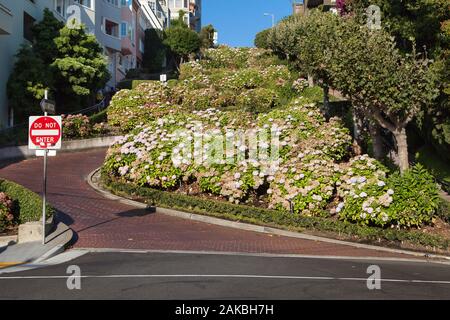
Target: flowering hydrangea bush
[370,197]
[76,126]
[237,79]
[220,130]
[300,84]
[6,214]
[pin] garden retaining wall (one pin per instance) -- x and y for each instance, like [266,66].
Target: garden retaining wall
[22,152]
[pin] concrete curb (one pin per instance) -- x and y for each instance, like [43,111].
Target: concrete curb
[8,240]
[62,236]
[92,180]
[22,152]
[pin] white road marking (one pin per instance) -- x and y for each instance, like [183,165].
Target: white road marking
[267,255]
[242,276]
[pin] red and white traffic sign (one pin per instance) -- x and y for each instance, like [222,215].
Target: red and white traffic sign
[44,132]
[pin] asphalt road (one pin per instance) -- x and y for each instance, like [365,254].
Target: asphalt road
[146,275]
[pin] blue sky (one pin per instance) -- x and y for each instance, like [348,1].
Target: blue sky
[238,21]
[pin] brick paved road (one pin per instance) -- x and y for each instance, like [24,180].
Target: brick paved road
[103,223]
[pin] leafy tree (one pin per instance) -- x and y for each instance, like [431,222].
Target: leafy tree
[207,36]
[155,50]
[80,68]
[27,83]
[261,39]
[388,86]
[44,33]
[412,22]
[182,42]
[315,47]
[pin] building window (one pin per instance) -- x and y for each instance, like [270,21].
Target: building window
[123,29]
[113,2]
[85,3]
[28,22]
[186,4]
[124,3]
[111,28]
[60,7]
[141,46]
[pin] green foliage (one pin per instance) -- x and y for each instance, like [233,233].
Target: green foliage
[80,67]
[364,65]
[26,85]
[258,100]
[273,218]
[182,42]
[412,21]
[65,61]
[416,197]
[405,201]
[154,50]
[27,205]
[44,33]
[261,39]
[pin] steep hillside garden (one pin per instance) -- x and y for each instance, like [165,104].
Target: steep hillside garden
[235,127]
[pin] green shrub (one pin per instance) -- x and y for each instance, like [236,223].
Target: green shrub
[407,200]
[416,197]
[258,100]
[27,205]
[99,117]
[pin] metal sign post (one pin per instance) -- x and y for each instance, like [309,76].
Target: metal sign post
[44,197]
[45,137]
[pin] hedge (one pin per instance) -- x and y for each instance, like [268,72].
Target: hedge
[27,204]
[273,218]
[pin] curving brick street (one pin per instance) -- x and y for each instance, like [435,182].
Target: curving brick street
[104,223]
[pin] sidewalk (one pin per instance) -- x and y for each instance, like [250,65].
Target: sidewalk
[26,254]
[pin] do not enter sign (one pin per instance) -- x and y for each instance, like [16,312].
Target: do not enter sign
[44,132]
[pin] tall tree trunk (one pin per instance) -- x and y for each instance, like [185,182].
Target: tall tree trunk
[326,100]
[377,142]
[402,148]
[310,81]
[357,137]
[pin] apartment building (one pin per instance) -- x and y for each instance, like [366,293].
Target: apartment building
[303,6]
[16,20]
[192,9]
[118,25]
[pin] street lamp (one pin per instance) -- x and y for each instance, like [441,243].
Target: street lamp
[273,18]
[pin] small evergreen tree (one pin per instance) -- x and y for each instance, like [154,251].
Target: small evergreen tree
[80,67]
[26,85]
[155,50]
[181,40]
[261,39]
